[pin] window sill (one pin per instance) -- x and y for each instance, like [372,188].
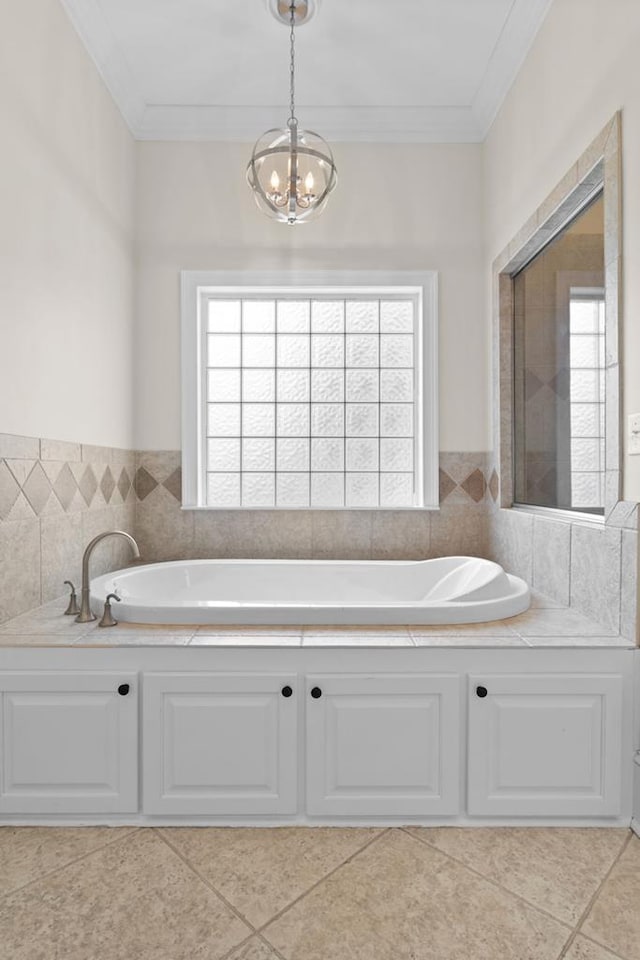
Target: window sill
[200,509]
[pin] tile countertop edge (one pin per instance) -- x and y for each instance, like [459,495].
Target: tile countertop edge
[540,626]
[151,639]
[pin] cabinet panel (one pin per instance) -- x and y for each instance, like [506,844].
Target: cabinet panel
[382,745]
[545,745]
[68,743]
[219,744]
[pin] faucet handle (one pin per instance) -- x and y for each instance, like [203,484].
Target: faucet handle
[73,609]
[108,619]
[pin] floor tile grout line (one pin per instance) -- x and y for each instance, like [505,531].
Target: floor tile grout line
[84,856]
[267,943]
[258,930]
[494,883]
[351,857]
[596,943]
[585,913]
[568,943]
[207,883]
[238,946]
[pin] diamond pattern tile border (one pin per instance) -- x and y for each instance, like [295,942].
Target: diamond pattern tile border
[468,481]
[107,484]
[173,484]
[88,485]
[144,483]
[9,490]
[37,489]
[65,486]
[32,483]
[98,482]
[124,484]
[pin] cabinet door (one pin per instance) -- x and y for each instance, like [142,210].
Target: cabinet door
[220,743]
[545,745]
[382,745]
[68,743]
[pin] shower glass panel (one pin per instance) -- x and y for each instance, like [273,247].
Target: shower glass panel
[559,366]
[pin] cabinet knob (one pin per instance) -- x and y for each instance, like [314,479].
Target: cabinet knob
[481,692]
[123,689]
[316,693]
[287,691]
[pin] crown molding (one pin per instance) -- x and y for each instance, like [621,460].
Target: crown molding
[338,124]
[456,124]
[516,39]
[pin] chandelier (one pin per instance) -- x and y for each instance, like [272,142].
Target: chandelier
[291,171]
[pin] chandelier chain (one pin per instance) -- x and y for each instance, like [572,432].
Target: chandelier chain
[292,64]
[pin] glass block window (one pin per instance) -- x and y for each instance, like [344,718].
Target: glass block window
[310,398]
[586,379]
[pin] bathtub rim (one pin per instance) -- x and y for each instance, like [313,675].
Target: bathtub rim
[209,612]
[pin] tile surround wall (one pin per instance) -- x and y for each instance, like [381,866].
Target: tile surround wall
[165,531]
[590,567]
[54,497]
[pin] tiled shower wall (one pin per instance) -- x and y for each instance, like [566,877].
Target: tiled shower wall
[54,497]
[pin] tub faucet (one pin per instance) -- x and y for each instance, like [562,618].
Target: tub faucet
[86,615]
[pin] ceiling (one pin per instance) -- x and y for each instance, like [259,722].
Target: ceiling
[369,70]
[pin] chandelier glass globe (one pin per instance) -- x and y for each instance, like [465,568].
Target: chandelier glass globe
[291,173]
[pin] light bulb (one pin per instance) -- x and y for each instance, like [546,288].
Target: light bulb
[275,181]
[309,182]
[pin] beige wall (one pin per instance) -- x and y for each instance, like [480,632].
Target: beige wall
[67,201]
[66,211]
[582,67]
[396,207]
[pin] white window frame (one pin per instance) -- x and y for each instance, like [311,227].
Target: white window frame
[422,286]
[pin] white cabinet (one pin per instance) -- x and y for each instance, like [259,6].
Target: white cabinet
[299,735]
[382,745]
[545,745]
[220,744]
[68,743]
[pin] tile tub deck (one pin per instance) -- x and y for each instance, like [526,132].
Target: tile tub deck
[545,624]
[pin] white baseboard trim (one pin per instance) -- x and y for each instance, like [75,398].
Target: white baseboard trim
[142,820]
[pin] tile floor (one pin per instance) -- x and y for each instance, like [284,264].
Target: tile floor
[319,894]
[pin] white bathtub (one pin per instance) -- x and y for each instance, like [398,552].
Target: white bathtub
[446,590]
